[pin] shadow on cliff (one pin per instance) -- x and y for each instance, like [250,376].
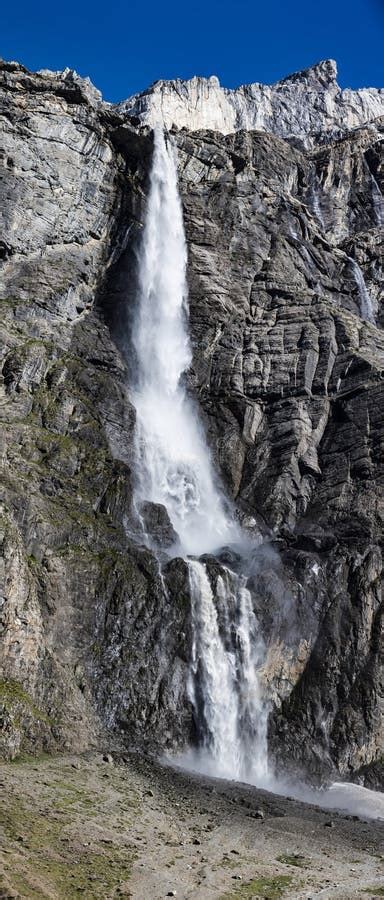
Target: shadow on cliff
[117,296]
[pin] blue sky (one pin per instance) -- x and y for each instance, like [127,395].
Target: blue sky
[124,47]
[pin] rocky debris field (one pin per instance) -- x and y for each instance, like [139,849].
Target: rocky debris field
[109,826]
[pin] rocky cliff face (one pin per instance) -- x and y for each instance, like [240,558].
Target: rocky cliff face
[289,376]
[78,598]
[308,106]
[285,277]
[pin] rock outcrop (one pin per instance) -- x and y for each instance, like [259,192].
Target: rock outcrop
[285,281]
[308,106]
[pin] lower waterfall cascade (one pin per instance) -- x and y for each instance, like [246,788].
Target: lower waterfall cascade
[224,685]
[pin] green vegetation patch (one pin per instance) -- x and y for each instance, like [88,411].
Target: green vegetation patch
[231,863]
[293,859]
[265,887]
[13,695]
[44,859]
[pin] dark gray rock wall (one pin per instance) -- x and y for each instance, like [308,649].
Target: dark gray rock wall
[289,377]
[95,627]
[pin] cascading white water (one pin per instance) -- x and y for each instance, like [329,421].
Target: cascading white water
[253,707]
[315,203]
[174,469]
[378,201]
[174,465]
[366,305]
[212,679]
[224,684]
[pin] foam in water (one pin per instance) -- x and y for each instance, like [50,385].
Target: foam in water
[174,464]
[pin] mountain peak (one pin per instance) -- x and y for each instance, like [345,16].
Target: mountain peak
[308,105]
[323,72]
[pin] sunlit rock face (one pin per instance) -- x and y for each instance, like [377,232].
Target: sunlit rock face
[287,373]
[73,582]
[308,106]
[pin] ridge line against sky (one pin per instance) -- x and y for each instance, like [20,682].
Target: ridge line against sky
[125,47]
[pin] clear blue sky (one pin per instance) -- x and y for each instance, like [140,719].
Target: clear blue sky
[124,46]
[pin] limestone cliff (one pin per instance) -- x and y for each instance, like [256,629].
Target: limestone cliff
[285,278]
[308,106]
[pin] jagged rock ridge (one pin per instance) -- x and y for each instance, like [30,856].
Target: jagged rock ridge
[95,627]
[307,105]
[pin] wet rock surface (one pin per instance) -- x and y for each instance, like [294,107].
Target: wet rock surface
[287,370]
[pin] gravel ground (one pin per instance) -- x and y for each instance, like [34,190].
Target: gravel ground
[127,826]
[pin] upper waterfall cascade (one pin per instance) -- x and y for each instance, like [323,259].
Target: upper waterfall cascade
[174,465]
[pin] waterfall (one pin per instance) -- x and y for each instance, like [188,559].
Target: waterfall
[315,193]
[213,676]
[174,466]
[366,305]
[378,201]
[224,686]
[174,469]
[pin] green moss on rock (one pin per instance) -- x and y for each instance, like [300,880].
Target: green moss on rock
[19,717]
